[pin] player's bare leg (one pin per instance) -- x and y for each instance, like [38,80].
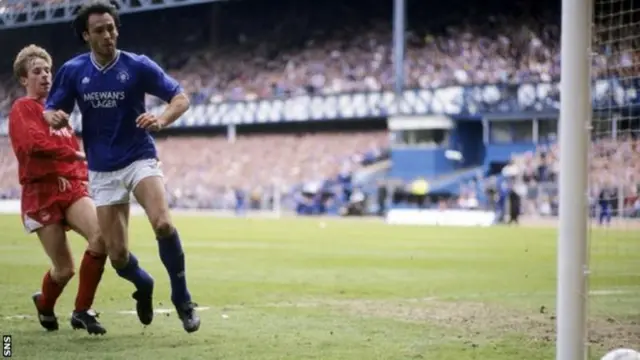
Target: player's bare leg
[82,218]
[114,222]
[150,193]
[54,241]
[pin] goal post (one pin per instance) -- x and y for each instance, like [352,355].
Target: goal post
[574,124]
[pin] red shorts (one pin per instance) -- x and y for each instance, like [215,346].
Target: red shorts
[47,203]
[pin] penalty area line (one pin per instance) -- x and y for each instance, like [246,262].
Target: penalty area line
[161,311]
[595,293]
[121,312]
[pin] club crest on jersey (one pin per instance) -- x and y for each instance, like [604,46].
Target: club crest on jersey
[64,132]
[45,216]
[123,76]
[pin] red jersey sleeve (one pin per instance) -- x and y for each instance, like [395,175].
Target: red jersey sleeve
[29,136]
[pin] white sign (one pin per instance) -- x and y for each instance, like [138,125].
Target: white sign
[441,217]
[10,207]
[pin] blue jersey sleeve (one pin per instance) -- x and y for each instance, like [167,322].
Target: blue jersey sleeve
[63,92]
[156,82]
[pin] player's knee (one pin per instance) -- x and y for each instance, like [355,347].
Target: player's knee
[118,256]
[96,244]
[163,227]
[63,274]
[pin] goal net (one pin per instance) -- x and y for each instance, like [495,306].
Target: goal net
[614,179]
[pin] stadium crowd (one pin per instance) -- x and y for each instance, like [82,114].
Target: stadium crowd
[260,165]
[198,176]
[343,47]
[336,47]
[614,166]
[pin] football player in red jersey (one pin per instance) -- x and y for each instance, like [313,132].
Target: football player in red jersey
[53,175]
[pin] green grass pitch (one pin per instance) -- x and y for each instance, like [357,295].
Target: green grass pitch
[332,290]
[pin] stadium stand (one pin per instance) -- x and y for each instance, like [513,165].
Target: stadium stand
[343,47]
[535,174]
[257,161]
[250,51]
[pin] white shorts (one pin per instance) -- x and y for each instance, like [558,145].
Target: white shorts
[115,187]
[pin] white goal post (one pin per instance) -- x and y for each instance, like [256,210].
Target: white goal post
[574,125]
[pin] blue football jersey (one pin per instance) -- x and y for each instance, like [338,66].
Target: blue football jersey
[110,99]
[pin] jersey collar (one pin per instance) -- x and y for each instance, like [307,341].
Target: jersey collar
[108,66]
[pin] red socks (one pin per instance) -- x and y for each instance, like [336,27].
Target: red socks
[50,292]
[91,270]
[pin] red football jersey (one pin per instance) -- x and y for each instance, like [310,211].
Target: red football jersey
[43,153]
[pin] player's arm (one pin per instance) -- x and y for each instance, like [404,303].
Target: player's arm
[61,98]
[31,139]
[157,83]
[82,172]
[176,107]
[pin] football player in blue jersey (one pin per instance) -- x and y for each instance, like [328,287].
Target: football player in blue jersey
[109,86]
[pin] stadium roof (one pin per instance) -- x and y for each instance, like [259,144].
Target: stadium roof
[23,13]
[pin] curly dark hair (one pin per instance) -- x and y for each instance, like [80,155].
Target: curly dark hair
[80,23]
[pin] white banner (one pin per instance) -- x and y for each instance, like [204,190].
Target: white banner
[441,217]
[9,206]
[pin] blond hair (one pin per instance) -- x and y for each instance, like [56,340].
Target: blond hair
[25,56]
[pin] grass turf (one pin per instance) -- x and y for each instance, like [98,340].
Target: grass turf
[334,289]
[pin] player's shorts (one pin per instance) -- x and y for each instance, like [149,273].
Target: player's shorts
[46,203]
[115,187]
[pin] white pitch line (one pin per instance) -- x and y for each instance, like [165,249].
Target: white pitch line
[612,292]
[160,311]
[19,317]
[122,312]
[604,292]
